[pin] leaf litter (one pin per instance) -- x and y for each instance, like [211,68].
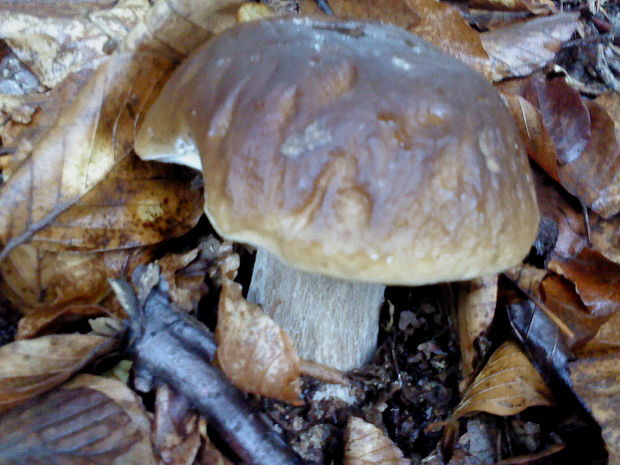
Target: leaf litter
[390,393]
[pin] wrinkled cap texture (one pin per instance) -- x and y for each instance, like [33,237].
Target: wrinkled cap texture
[355,150]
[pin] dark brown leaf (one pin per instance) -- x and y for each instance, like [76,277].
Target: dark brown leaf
[542,339]
[596,280]
[605,236]
[594,177]
[66,427]
[560,297]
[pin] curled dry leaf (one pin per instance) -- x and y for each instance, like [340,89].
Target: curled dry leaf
[596,280]
[185,273]
[254,353]
[527,278]
[438,22]
[50,286]
[507,385]
[28,368]
[365,444]
[55,45]
[538,143]
[522,48]
[476,309]
[560,297]
[73,426]
[89,139]
[176,432]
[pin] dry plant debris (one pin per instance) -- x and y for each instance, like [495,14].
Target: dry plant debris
[77,208]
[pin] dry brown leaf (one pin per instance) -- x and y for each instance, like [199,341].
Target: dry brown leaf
[537,7]
[560,297]
[185,279]
[55,45]
[73,426]
[138,203]
[476,309]
[594,177]
[538,143]
[507,385]
[28,368]
[566,224]
[46,319]
[605,236]
[522,48]
[141,452]
[254,353]
[89,139]
[610,101]
[527,278]
[438,22]
[596,380]
[597,281]
[176,433]
[365,444]
[47,286]
[173,28]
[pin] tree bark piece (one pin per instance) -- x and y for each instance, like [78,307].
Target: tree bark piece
[330,321]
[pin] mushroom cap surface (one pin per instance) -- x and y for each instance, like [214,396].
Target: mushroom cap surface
[350,149]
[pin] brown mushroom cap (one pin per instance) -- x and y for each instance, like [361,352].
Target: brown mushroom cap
[350,149]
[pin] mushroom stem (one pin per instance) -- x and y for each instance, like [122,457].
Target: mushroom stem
[330,321]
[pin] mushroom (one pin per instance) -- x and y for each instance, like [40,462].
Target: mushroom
[351,155]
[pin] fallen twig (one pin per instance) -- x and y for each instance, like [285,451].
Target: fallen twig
[171,347]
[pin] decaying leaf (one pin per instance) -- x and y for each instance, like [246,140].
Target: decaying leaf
[522,48]
[596,380]
[89,140]
[476,309]
[605,236]
[438,22]
[55,45]
[560,297]
[596,280]
[365,444]
[594,177]
[176,433]
[28,368]
[534,134]
[507,385]
[49,286]
[75,425]
[256,355]
[544,336]
[185,273]
[141,453]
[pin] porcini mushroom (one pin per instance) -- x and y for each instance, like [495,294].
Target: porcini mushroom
[352,155]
